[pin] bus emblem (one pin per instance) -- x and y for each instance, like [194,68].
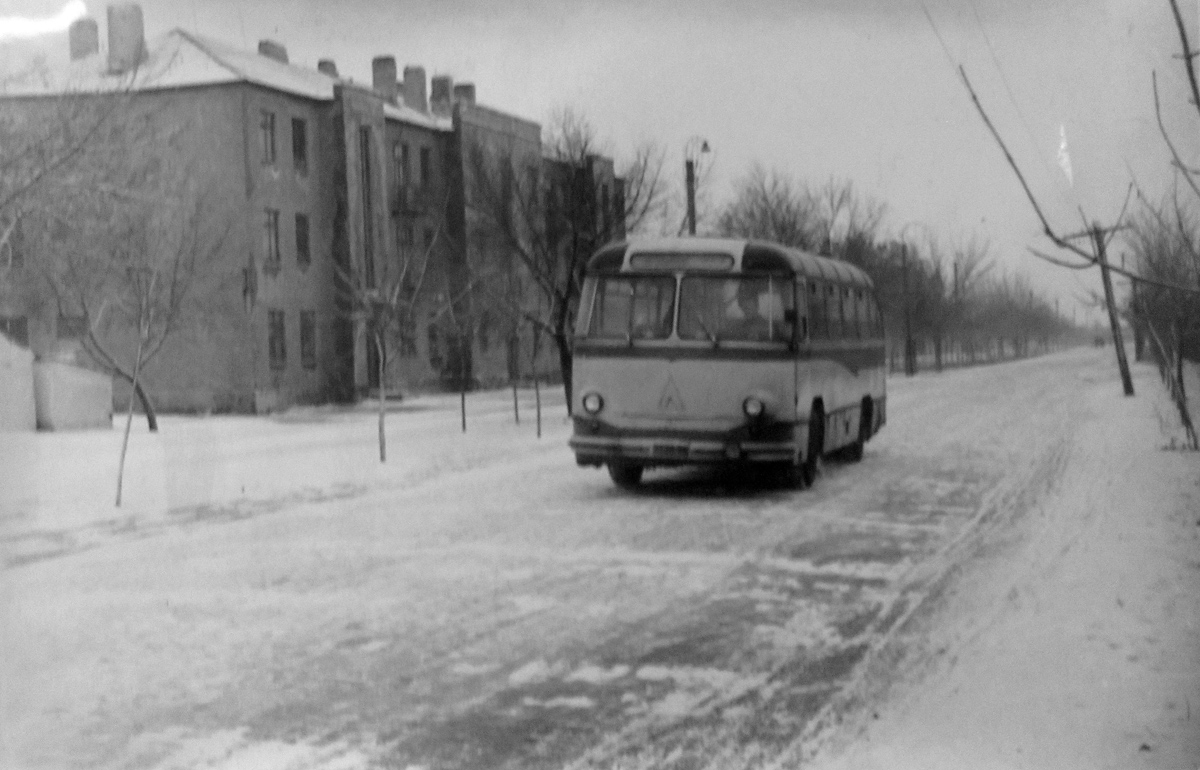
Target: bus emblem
[670,400]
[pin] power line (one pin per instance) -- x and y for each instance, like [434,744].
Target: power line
[1016,105]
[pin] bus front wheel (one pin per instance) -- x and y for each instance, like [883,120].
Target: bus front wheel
[625,475]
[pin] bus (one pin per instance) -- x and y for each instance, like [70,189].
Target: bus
[722,352]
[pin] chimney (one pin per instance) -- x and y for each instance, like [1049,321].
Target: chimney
[383,77]
[84,35]
[441,89]
[328,66]
[126,37]
[414,88]
[465,93]
[273,50]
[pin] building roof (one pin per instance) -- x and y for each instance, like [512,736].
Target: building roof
[180,59]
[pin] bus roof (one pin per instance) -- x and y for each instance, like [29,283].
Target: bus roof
[747,255]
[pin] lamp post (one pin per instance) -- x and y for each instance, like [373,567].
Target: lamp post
[910,346]
[694,147]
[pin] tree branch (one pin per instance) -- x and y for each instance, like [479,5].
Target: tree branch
[1188,56]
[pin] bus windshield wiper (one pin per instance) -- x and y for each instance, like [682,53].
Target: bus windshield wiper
[700,320]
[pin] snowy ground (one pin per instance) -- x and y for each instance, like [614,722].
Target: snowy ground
[1010,578]
[1073,639]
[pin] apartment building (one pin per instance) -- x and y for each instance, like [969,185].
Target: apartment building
[311,179]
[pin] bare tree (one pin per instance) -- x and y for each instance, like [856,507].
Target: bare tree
[127,257]
[550,216]
[383,300]
[123,240]
[770,206]
[1164,241]
[848,216]
[46,132]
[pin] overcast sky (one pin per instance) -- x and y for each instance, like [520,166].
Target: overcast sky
[863,90]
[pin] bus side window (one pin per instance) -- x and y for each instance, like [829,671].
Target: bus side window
[864,323]
[801,305]
[849,313]
[816,311]
[833,308]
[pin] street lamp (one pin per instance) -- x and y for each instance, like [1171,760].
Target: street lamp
[694,147]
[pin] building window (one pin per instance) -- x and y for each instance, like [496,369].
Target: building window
[71,327]
[426,168]
[399,162]
[12,253]
[300,145]
[308,339]
[271,258]
[303,255]
[368,214]
[276,339]
[16,328]
[435,346]
[266,131]
[408,343]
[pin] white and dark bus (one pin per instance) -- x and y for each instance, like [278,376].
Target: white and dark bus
[701,351]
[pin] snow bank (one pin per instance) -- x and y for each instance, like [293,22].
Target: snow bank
[226,465]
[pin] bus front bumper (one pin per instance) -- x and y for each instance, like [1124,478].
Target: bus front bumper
[594,446]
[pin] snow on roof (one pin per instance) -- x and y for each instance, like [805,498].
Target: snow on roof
[179,59]
[253,67]
[174,60]
[406,114]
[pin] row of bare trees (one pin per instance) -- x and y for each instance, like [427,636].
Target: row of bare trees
[936,296]
[1162,237]
[1164,242]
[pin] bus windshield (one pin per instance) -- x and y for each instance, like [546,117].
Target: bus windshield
[746,309]
[633,307]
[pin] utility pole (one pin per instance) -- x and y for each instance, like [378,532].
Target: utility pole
[695,147]
[689,173]
[1118,342]
[910,352]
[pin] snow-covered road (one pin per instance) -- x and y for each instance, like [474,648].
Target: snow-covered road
[272,597]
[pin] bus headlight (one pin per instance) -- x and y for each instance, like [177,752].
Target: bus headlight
[592,403]
[753,407]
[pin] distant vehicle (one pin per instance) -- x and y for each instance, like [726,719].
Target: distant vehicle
[699,351]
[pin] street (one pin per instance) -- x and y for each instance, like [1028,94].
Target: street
[481,602]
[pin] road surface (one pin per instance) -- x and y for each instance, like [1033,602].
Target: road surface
[489,604]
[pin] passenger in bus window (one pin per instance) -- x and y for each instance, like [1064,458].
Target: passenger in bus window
[652,317]
[743,318]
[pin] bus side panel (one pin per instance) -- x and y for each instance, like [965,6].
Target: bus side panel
[840,376]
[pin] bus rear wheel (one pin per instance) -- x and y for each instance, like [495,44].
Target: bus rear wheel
[625,475]
[811,466]
[854,452]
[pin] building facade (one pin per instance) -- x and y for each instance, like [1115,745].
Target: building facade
[316,188]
